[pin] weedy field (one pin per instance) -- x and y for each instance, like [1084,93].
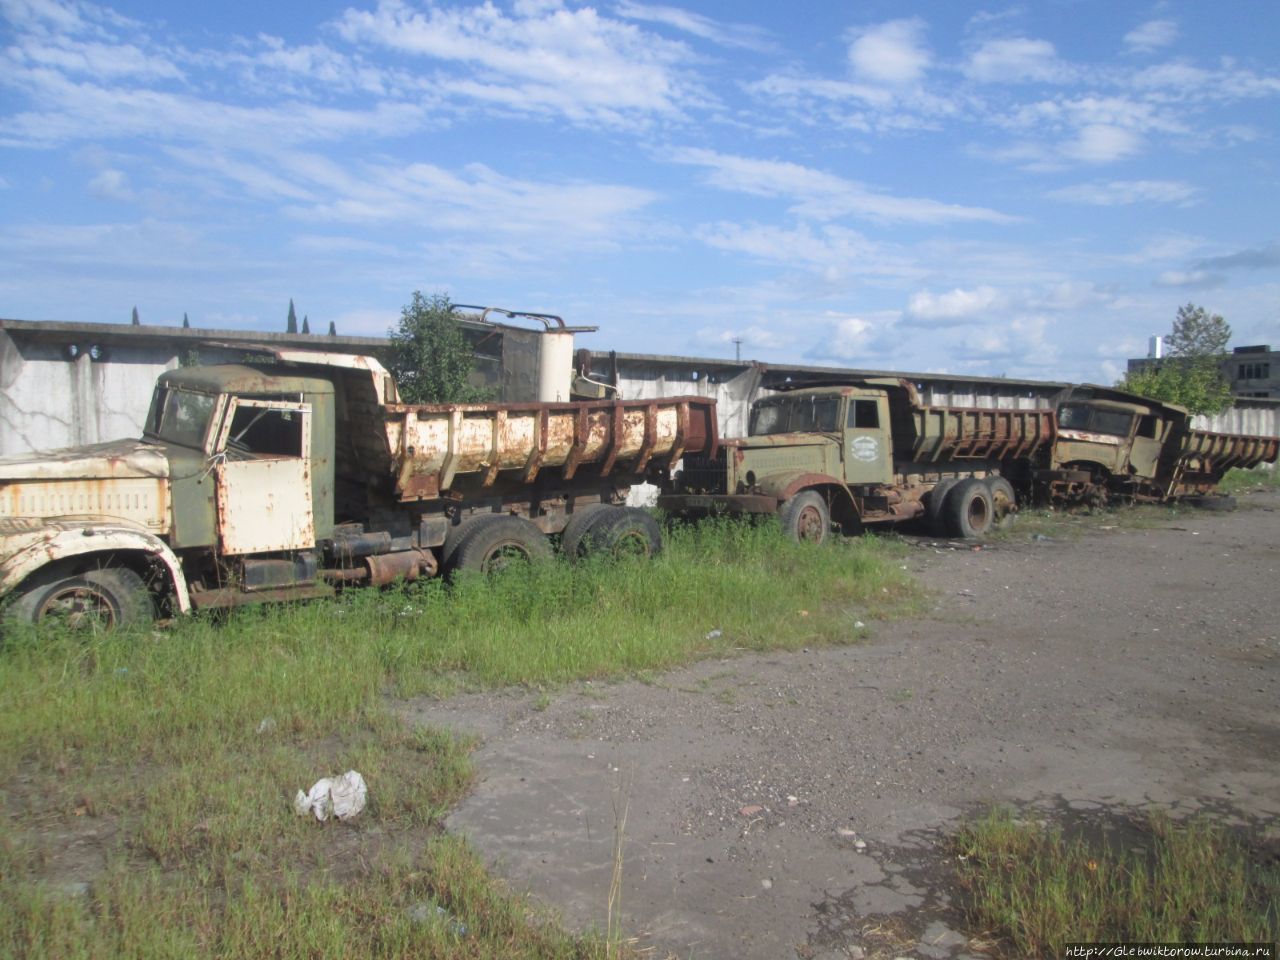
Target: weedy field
[147,776]
[1259,478]
[1031,888]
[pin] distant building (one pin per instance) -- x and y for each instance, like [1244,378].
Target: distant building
[1252,371]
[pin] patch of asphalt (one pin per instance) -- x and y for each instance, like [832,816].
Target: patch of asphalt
[796,805]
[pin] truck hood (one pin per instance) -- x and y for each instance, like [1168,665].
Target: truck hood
[116,460]
[770,440]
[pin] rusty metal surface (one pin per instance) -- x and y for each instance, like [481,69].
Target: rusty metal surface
[387,568]
[125,481]
[264,505]
[435,446]
[1205,457]
[119,459]
[946,433]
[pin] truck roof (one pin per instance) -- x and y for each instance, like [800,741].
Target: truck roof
[243,378]
[1121,398]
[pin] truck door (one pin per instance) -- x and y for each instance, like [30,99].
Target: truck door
[1145,452]
[263,466]
[868,449]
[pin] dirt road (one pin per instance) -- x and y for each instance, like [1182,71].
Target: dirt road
[791,805]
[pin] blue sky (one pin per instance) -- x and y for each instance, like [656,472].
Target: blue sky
[1028,190]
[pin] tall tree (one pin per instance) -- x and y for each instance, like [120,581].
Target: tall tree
[306,327]
[292,325]
[1191,375]
[429,354]
[136,321]
[1198,334]
[333,330]
[186,324]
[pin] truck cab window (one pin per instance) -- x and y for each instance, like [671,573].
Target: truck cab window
[1147,426]
[180,416]
[863,415]
[266,432]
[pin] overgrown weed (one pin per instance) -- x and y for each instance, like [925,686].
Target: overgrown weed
[1035,888]
[173,754]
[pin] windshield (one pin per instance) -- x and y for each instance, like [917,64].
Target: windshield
[180,416]
[795,415]
[1075,416]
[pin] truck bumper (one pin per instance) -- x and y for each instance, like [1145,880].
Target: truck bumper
[693,504]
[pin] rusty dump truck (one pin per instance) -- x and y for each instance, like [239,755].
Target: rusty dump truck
[867,451]
[288,478]
[1114,445]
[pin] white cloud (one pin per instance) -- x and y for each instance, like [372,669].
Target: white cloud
[956,305]
[742,36]
[111,185]
[891,53]
[1017,60]
[1102,143]
[475,199]
[823,196]
[1118,193]
[545,59]
[1187,278]
[1151,35]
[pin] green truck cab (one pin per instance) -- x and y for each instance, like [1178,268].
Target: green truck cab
[866,452]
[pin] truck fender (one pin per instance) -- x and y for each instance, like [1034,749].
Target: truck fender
[844,509]
[57,545]
[784,486]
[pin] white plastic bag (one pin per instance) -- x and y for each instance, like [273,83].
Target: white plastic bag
[342,797]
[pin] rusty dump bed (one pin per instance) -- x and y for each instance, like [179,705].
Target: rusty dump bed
[441,448]
[968,433]
[1205,458]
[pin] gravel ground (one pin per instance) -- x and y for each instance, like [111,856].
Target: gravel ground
[793,805]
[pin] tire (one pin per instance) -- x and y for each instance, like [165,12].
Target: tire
[105,599]
[805,517]
[453,539]
[497,542]
[934,510]
[1004,501]
[969,511]
[573,536]
[1219,502]
[624,532]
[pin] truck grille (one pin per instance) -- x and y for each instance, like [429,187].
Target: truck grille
[703,474]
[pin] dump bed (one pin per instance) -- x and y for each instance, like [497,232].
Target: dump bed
[926,433]
[442,449]
[1204,457]
[953,433]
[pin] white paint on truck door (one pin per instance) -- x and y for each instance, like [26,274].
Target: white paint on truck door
[263,468]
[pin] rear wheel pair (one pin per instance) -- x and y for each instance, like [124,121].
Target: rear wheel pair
[492,543]
[969,508]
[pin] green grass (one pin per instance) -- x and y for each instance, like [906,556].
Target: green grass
[159,765]
[1032,889]
[1259,478]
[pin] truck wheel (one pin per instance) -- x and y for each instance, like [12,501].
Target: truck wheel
[969,510]
[497,542]
[805,517]
[1004,501]
[102,599]
[573,536]
[624,532]
[935,520]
